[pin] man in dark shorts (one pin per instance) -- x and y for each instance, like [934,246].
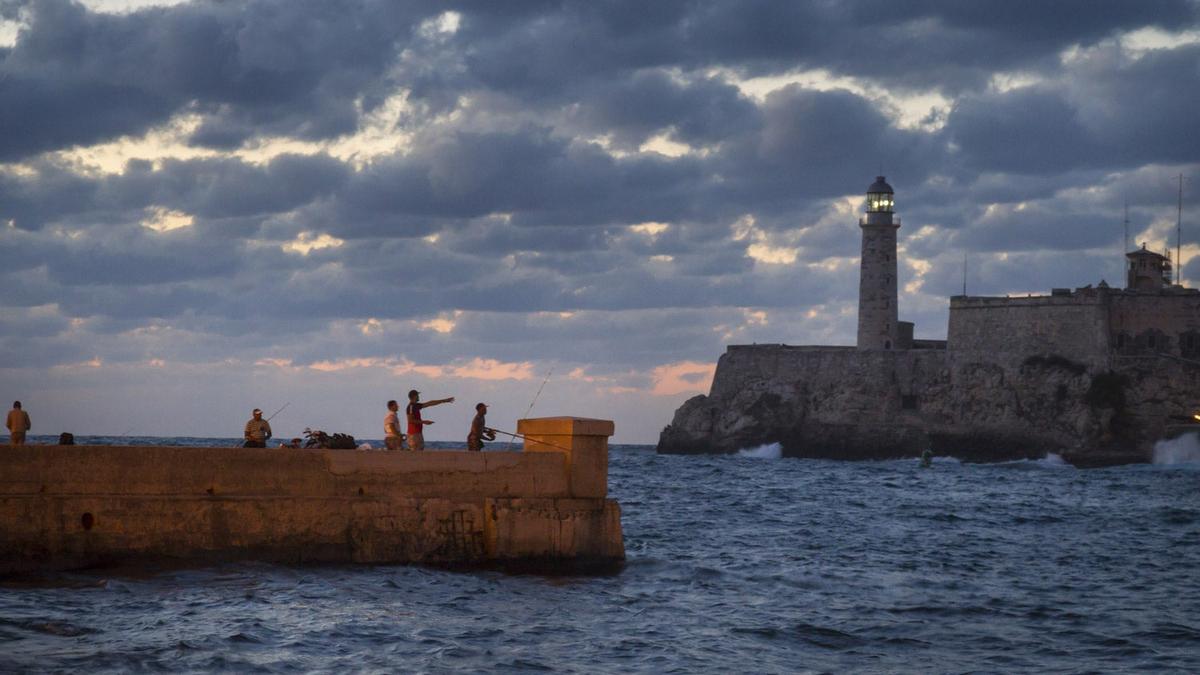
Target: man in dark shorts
[479,429]
[416,425]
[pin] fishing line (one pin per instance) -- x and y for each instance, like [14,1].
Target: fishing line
[535,398]
[526,438]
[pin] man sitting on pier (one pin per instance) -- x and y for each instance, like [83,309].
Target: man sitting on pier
[257,431]
[416,426]
[479,429]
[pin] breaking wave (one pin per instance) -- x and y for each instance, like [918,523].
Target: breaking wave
[1178,451]
[768,451]
[1053,461]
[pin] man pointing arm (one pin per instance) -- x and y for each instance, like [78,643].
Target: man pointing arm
[416,425]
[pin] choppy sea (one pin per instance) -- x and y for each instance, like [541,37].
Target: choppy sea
[741,563]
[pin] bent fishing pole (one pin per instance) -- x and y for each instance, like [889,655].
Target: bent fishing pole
[535,398]
[285,405]
[526,438]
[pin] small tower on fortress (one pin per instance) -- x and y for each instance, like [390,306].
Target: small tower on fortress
[877,311]
[1147,270]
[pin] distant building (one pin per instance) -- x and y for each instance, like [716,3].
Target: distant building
[1097,374]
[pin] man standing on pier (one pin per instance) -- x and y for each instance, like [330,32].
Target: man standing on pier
[392,438]
[18,423]
[257,431]
[416,425]
[479,429]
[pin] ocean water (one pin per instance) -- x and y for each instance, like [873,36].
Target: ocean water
[742,563]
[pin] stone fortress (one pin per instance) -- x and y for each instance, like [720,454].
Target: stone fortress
[1095,374]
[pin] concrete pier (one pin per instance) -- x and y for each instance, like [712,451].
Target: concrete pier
[65,507]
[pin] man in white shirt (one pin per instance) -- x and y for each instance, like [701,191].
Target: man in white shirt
[392,438]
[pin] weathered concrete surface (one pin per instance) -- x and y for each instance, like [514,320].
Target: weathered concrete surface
[70,506]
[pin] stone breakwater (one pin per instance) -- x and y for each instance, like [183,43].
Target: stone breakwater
[845,403]
[64,507]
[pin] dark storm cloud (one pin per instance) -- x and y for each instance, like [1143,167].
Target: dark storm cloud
[223,188]
[253,68]
[514,194]
[700,112]
[1106,116]
[947,44]
[276,67]
[207,188]
[536,176]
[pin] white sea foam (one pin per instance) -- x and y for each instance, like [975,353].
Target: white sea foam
[1052,461]
[1184,450]
[768,451]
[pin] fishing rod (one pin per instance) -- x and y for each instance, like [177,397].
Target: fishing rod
[238,444]
[526,438]
[535,398]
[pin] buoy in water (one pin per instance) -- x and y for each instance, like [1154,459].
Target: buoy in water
[927,459]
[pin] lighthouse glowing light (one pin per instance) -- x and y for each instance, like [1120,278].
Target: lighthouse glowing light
[877,296]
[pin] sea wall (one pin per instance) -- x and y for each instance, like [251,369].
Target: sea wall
[70,506]
[844,403]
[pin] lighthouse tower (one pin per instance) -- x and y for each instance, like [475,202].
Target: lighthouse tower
[877,312]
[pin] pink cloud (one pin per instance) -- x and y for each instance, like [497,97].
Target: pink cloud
[682,377]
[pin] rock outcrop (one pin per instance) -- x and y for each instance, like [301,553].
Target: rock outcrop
[845,403]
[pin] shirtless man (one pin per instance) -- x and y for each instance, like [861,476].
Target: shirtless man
[479,429]
[416,425]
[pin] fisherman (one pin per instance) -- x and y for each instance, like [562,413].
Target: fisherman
[18,424]
[416,426]
[257,431]
[479,429]
[926,458]
[392,438]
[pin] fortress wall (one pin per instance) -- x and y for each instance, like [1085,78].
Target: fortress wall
[850,404]
[882,376]
[741,364]
[69,506]
[1173,315]
[812,399]
[1074,326]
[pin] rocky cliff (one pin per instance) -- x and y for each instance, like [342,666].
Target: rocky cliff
[844,403]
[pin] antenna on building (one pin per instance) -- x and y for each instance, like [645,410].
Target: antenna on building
[964,273]
[1125,246]
[1179,236]
[1126,249]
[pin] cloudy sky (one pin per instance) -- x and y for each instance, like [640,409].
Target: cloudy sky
[211,206]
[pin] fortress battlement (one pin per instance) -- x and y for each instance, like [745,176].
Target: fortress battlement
[1095,373]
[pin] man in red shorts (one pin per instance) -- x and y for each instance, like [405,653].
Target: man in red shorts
[416,425]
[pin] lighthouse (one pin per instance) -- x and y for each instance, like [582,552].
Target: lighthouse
[877,311]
